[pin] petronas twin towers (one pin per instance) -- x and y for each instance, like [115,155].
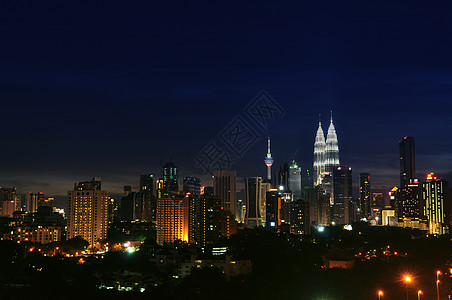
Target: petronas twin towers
[326,154]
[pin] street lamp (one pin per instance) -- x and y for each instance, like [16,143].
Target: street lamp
[437,289]
[380,293]
[437,283]
[419,293]
[407,280]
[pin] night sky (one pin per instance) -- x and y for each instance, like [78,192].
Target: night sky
[112,89]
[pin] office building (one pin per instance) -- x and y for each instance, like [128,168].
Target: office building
[192,187]
[394,198]
[436,196]
[170,177]
[364,195]
[127,190]
[409,211]
[407,161]
[253,197]
[295,180]
[265,187]
[283,180]
[224,184]
[378,200]
[332,148]
[342,186]
[147,183]
[273,209]
[319,155]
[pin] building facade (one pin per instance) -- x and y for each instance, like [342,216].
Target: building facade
[88,211]
[364,194]
[437,207]
[173,218]
[224,184]
[253,197]
[342,184]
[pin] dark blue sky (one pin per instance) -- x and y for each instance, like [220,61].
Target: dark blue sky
[109,89]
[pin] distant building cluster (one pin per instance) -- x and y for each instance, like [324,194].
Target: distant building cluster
[189,211]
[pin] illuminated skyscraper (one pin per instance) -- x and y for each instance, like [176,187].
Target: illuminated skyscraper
[407,166]
[332,148]
[269,161]
[326,154]
[88,211]
[170,177]
[172,218]
[437,204]
[319,155]
[224,183]
[295,180]
[192,187]
[364,194]
[409,206]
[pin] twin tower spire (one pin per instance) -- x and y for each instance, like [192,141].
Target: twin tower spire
[326,154]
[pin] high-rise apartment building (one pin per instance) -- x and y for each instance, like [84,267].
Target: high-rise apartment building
[207,225]
[364,194]
[224,184]
[173,218]
[88,211]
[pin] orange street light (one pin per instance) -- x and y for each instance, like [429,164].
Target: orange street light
[419,293]
[407,280]
[437,289]
[380,293]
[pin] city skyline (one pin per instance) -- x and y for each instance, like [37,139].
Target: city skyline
[160,77]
